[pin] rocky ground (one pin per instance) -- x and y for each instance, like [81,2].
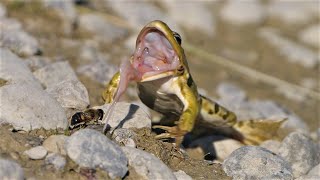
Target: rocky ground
[56,57]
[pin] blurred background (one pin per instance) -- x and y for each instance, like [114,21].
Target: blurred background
[259,58]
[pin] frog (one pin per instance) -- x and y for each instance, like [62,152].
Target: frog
[164,84]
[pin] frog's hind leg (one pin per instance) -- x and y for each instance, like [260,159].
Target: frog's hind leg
[171,132]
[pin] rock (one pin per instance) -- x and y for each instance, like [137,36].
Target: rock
[147,165]
[19,42]
[38,152]
[103,30]
[299,150]
[10,24]
[55,144]
[89,53]
[310,35]
[308,177]
[27,107]
[127,115]
[217,146]
[14,70]
[3,11]
[91,149]
[99,71]
[252,162]
[56,160]
[124,136]
[181,175]
[271,145]
[200,17]
[243,13]
[231,93]
[55,73]
[315,171]
[293,52]
[37,62]
[71,94]
[10,170]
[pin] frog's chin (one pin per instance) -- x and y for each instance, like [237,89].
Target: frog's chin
[151,76]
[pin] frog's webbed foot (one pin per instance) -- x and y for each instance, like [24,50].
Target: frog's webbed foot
[171,132]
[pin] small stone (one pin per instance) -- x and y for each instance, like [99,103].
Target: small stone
[3,11]
[10,170]
[55,73]
[103,30]
[38,152]
[311,35]
[91,149]
[252,162]
[271,145]
[56,160]
[299,150]
[10,24]
[147,165]
[127,115]
[124,136]
[181,175]
[243,13]
[315,171]
[37,62]
[55,144]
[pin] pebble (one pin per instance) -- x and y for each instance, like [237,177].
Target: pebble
[56,160]
[10,24]
[200,17]
[71,94]
[181,175]
[311,35]
[27,108]
[15,70]
[252,162]
[238,12]
[147,165]
[35,153]
[299,150]
[271,145]
[229,92]
[55,144]
[36,62]
[55,73]
[10,170]
[124,136]
[91,149]
[3,11]
[101,28]
[127,115]
[20,42]
[294,52]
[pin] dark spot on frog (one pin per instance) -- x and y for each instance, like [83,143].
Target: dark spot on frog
[210,111]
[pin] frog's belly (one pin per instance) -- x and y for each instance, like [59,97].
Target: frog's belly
[153,96]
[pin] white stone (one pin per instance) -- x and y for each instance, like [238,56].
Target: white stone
[271,145]
[315,171]
[56,160]
[10,24]
[239,12]
[147,165]
[181,175]
[3,11]
[38,152]
[10,170]
[55,144]
[311,35]
[124,137]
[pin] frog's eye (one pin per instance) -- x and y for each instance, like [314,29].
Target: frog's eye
[177,37]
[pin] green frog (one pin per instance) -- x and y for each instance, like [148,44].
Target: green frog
[159,67]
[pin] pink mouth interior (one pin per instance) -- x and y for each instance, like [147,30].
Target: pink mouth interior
[153,55]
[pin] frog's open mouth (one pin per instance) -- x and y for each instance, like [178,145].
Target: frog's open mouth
[154,56]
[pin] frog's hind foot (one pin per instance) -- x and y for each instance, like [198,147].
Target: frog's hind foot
[171,132]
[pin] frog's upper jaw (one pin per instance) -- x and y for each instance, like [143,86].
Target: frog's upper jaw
[156,55]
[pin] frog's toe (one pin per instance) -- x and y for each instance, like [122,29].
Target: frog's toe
[172,132]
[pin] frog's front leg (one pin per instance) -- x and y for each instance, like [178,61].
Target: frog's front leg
[111,88]
[188,117]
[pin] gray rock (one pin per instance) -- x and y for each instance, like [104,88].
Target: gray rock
[91,149]
[231,93]
[19,42]
[242,13]
[181,175]
[310,35]
[14,69]
[37,62]
[55,73]
[3,11]
[252,162]
[55,144]
[124,136]
[10,170]
[99,71]
[315,171]
[299,150]
[38,152]
[147,165]
[200,17]
[103,30]
[27,107]
[293,52]
[127,115]
[56,160]
[308,177]
[71,94]
[10,24]
[89,53]
[271,145]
